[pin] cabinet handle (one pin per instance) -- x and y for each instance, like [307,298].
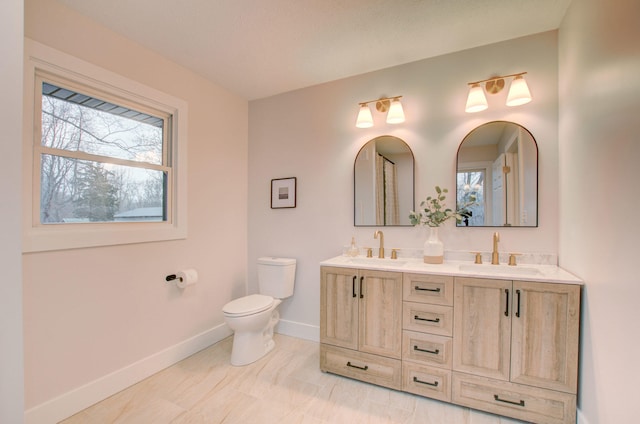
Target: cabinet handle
[521,403]
[361,294]
[435,352]
[434,384]
[366,367]
[353,286]
[437,290]
[506,311]
[417,318]
[518,305]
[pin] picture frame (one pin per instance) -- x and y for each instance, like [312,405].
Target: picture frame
[283,193]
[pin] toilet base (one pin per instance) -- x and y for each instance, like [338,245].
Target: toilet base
[249,346]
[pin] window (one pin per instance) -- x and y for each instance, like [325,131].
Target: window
[100,161]
[107,155]
[471,184]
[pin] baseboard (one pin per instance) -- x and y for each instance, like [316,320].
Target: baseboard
[581,418]
[63,406]
[299,330]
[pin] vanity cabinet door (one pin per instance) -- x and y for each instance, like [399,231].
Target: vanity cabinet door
[545,335]
[380,329]
[482,327]
[339,307]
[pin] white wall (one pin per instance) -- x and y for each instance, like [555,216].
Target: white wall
[103,316]
[311,134]
[599,203]
[11,365]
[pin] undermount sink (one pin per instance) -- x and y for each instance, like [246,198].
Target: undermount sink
[377,261]
[499,269]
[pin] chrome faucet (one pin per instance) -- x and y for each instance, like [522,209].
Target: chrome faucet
[381,251]
[495,257]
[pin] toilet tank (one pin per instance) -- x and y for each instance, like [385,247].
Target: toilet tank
[276,276]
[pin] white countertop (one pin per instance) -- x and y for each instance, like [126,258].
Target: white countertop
[526,272]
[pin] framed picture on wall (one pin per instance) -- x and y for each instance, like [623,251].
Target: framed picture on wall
[283,193]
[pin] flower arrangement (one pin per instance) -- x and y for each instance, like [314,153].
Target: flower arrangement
[433,212]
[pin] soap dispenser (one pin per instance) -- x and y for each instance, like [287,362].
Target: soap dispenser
[353,249]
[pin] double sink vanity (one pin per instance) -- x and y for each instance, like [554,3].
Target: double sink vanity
[498,338]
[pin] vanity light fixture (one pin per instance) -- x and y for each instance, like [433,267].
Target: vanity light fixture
[519,93]
[391,105]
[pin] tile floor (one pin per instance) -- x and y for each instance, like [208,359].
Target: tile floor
[285,387]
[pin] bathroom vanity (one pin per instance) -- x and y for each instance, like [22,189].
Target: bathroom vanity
[497,338]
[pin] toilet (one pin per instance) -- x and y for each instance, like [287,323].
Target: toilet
[253,317]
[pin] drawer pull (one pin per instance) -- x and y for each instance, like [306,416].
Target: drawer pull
[436,290]
[366,367]
[434,384]
[435,352]
[417,318]
[521,403]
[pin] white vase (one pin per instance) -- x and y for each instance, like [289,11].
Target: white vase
[433,248]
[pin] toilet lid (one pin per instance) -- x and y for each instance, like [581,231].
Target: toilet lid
[247,305]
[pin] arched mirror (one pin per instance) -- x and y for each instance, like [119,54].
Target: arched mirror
[383,183]
[498,165]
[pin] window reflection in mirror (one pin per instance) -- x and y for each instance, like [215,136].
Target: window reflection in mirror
[498,164]
[383,183]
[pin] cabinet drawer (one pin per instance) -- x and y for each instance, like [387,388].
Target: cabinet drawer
[433,319]
[427,349]
[514,400]
[361,366]
[426,381]
[434,289]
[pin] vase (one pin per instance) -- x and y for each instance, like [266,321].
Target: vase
[433,248]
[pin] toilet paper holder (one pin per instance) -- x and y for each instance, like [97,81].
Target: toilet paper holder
[183,278]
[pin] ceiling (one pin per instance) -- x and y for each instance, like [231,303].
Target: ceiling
[259,48]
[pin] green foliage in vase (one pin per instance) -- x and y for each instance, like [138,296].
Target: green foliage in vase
[433,212]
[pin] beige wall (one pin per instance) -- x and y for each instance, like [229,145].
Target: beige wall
[11,365]
[92,312]
[599,232]
[311,134]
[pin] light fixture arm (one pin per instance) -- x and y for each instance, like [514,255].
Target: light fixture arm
[496,78]
[382,104]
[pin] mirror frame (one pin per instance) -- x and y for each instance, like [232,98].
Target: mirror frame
[537,180]
[413,183]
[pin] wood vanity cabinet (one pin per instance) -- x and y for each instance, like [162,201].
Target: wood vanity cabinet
[501,346]
[361,324]
[515,348]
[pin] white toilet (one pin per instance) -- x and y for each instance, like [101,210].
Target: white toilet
[253,317]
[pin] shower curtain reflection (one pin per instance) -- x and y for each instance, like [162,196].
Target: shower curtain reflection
[387,209]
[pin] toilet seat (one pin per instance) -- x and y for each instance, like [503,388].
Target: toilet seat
[248,305]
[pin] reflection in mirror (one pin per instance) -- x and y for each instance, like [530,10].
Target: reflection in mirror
[498,163]
[383,183]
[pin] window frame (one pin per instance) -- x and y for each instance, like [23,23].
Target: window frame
[50,65]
